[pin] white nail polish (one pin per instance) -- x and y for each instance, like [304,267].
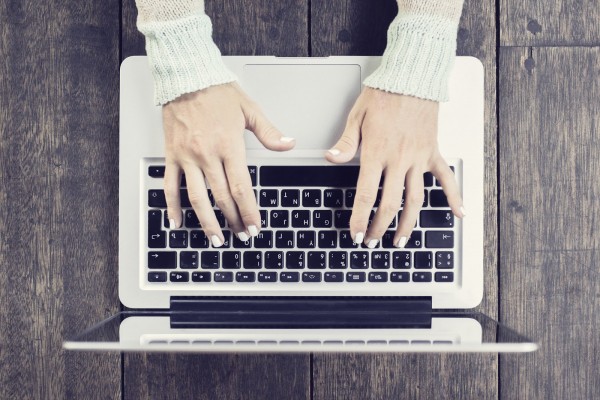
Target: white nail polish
[334,152]
[253,230]
[172,224]
[463,211]
[216,242]
[359,238]
[372,243]
[402,242]
[243,236]
[286,139]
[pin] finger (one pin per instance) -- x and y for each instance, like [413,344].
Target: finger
[265,131]
[201,204]
[219,186]
[172,183]
[391,201]
[447,179]
[366,193]
[347,145]
[240,186]
[413,201]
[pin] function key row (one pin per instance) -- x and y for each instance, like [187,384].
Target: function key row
[308,277]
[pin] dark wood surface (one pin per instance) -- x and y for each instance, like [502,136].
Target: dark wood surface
[58,203]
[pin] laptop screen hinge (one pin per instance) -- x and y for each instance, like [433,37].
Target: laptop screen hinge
[301,312]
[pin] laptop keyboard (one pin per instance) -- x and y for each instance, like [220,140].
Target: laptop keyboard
[305,237]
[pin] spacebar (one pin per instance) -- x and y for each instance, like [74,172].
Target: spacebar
[309,175]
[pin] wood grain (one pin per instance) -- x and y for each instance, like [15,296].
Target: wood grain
[549,23]
[353,27]
[549,200]
[58,163]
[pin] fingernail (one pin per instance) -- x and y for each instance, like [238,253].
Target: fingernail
[402,242]
[372,243]
[253,230]
[334,152]
[172,224]
[463,211]
[216,242]
[286,139]
[243,236]
[359,238]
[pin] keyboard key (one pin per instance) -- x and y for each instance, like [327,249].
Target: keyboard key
[201,277]
[223,276]
[427,179]
[188,260]
[327,239]
[264,221]
[400,277]
[355,277]
[437,198]
[179,276]
[338,260]
[156,171]
[238,244]
[322,219]
[378,276]
[157,239]
[157,276]
[198,240]
[305,239]
[154,224]
[311,276]
[268,198]
[264,240]
[444,276]
[191,220]
[184,199]
[231,260]
[209,259]
[444,260]
[346,241]
[267,276]
[289,277]
[274,260]
[402,260]
[415,240]
[290,198]
[253,171]
[436,219]
[421,276]
[294,260]
[311,198]
[156,198]
[439,239]
[317,260]
[423,259]
[333,198]
[342,218]
[334,277]
[162,260]
[284,239]
[178,239]
[252,260]
[359,260]
[280,219]
[227,243]
[301,219]
[387,241]
[211,198]
[350,194]
[245,276]
[220,218]
[380,260]
[309,175]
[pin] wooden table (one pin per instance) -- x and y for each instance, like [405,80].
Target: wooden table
[59,73]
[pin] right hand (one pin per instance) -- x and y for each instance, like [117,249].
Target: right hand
[204,139]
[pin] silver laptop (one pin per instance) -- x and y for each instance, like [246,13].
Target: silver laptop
[302,284]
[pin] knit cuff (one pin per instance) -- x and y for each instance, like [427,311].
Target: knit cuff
[183,57]
[418,58]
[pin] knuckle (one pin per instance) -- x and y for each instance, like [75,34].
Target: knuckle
[347,140]
[388,207]
[364,197]
[415,199]
[222,197]
[196,198]
[239,191]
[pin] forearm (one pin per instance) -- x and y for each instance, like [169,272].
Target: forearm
[421,49]
[182,55]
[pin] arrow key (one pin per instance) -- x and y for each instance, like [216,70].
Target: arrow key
[162,260]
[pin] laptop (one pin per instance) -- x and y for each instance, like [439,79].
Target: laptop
[302,284]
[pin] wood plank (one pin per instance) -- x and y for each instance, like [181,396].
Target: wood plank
[549,200]
[252,27]
[549,23]
[58,171]
[346,27]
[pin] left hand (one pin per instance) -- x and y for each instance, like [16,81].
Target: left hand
[398,135]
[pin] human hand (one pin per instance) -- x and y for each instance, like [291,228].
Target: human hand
[204,138]
[398,135]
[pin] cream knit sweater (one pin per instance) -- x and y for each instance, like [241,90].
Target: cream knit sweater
[421,47]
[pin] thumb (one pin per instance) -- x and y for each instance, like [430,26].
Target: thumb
[347,145]
[265,131]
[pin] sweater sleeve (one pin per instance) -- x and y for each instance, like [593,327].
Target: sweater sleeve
[420,51]
[182,55]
